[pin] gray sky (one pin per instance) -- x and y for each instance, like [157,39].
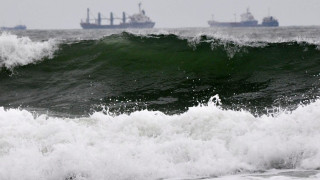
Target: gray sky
[66,14]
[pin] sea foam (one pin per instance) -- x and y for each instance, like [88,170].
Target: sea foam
[205,141]
[16,51]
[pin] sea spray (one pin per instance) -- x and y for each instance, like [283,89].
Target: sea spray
[19,51]
[205,141]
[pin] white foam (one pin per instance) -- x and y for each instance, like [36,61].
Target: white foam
[233,42]
[204,141]
[15,51]
[241,37]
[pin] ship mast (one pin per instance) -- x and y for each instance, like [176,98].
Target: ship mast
[139,7]
[88,16]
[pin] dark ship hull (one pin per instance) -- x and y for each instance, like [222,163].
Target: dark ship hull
[19,27]
[233,24]
[239,24]
[270,24]
[118,26]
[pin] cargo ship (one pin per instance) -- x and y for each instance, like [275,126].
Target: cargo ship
[18,27]
[247,20]
[138,20]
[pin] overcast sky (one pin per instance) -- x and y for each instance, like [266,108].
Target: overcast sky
[66,14]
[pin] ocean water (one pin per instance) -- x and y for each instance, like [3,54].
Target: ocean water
[171,104]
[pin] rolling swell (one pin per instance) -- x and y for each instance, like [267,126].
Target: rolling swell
[126,72]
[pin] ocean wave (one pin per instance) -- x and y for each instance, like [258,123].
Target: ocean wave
[205,141]
[164,72]
[16,51]
[20,51]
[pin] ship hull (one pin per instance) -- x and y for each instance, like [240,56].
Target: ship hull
[13,28]
[270,24]
[118,26]
[242,24]
[233,24]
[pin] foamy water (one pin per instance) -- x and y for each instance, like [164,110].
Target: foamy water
[16,50]
[205,141]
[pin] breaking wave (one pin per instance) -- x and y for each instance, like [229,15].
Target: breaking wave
[128,72]
[19,51]
[205,141]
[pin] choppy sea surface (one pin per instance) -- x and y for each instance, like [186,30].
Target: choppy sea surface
[171,104]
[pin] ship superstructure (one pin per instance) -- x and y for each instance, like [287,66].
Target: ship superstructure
[138,20]
[247,20]
[270,21]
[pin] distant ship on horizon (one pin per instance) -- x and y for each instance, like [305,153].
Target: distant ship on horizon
[138,20]
[247,20]
[18,27]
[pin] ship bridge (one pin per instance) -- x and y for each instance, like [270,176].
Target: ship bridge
[245,17]
[140,17]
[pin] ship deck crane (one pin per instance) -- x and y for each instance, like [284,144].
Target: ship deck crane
[101,17]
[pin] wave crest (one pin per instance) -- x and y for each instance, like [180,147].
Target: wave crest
[15,51]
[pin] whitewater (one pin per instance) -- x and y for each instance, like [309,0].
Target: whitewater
[15,51]
[204,142]
[169,104]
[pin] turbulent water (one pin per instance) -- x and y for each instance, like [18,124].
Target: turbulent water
[160,104]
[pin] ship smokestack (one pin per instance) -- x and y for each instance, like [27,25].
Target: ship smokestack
[111,18]
[124,17]
[88,16]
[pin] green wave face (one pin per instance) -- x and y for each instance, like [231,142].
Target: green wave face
[126,72]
